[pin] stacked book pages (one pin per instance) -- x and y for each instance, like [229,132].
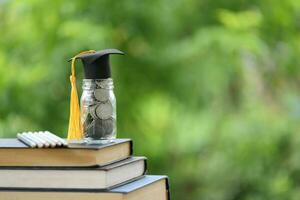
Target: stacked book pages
[77,172]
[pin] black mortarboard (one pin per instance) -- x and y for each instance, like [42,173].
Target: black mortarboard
[96,65]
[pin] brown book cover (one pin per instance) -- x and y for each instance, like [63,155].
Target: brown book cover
[81,178]
[148,187]
[15,153]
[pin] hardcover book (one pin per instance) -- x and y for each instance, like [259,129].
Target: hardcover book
[73,177]
[146,188]
[15,153]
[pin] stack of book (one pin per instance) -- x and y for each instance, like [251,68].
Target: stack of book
[78,172]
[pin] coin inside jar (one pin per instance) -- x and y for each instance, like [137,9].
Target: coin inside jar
[100,83]
[104,110]
[92,111]
[101,94]
[103,127]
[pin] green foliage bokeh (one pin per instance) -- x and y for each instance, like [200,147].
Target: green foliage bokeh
[208,90]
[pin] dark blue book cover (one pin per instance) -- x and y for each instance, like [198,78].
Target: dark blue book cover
[126,188]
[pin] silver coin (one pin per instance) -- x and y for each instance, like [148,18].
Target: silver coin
[101,94]
[99,129]
[100,84]
[104,111]
[104,128]
[92,111]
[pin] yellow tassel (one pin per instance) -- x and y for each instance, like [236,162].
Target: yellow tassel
[75,131]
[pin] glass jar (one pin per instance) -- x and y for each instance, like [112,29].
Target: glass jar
[98,110]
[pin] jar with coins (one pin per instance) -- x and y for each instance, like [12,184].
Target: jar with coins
[98,110]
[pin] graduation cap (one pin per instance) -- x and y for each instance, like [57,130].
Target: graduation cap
[96,63]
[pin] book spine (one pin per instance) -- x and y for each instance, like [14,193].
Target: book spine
[168,188]
[146,166]
[131,147]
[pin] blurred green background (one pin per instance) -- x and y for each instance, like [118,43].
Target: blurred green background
[208,90]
